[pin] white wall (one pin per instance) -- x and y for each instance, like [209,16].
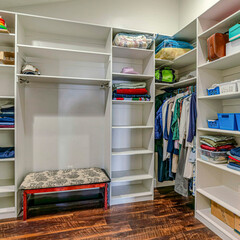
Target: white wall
[134,14]
[191,9]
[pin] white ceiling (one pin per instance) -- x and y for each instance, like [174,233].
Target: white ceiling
[8,4]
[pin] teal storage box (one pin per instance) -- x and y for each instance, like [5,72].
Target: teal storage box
[234,32]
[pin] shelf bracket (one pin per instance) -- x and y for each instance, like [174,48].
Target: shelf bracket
[105,85]
[23,81]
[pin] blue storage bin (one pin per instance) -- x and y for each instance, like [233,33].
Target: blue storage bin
[227,121]
[213,123]
[234,32]
[213,91]
[238,120]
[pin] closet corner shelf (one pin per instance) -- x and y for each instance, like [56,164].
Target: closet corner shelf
[212,222]
[124,76]
[7,160]
[62,53]
[63,79]
[130,191]
[7,185]
[219,131]
[222,26]
[132,127]
[221,96]
[223,63]
[130,102]
[7,40]
[224,196]
[133,53]
[184,83]
[222,167]
[182,61]
[7,204]
[130,175]
[130,151]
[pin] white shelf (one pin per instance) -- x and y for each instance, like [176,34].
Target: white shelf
[7,40]
[7,185]
[63,79]
[5,66]
[223,63]
[133,53]
[220,131]
[7,160]
[130,102]
[132,127]
[7,204]
[216,225]
[222,167]
[130,191]
[130,175]
[132,77]
[130,151]
[162,62]
[184,83]
[222,26]
[7,129]
[63,54]
[6,97]
[186,59]
[221,96]
[224,196]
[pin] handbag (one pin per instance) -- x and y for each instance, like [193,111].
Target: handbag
[216,45]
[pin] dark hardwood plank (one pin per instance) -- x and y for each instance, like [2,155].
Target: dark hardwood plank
[169,217]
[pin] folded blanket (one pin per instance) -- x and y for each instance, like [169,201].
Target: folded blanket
[6,119]
[132,99]
[131,91]
[211,143]
[129,85]
[221,148]
[115,95]
[235,151]
[233,167]
[217,138]
[11,109]
[234,156]
[6,126]
[232,161]
[9,115]
[7,152]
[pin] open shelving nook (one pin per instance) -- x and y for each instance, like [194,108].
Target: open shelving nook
[216,182]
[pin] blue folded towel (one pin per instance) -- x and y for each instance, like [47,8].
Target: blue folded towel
[7,152]
[235,151]
[233,167]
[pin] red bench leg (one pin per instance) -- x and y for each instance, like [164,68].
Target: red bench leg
[24,206]
[106,197]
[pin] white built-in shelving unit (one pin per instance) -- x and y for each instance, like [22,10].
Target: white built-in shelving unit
[132,164]
[7,135]
[216,182]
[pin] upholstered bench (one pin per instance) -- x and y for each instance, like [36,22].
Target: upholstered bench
[64,180]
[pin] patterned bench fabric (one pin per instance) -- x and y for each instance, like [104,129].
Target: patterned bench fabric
[64,178]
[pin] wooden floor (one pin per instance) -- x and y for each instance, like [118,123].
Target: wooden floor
[169,216]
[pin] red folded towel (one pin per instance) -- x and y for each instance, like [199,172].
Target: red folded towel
[132,91]
[225,147]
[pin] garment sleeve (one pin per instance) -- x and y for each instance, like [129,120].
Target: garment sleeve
[192,118]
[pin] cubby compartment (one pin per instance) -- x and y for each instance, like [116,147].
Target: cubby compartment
[7,177]
[141,139]
[7,204]
[7,81]
[63,34]
[134,191]
[10,21]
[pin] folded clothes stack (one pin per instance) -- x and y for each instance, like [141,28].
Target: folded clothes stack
[3,26]
[234,159]
[130,91]
[7,116]
[7,152]
[214,148]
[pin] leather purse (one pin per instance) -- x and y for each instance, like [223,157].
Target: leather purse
[216,45]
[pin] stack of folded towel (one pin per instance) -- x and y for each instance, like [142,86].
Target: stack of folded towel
[214,148]
[234,159]
[7,116]
[30,69]
[7,152]
[131,91]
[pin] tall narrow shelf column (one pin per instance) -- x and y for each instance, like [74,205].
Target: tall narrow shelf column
[132,163]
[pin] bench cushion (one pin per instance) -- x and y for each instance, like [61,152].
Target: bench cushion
[64,178]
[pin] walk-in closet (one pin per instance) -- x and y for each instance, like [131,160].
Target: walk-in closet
[120,120]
